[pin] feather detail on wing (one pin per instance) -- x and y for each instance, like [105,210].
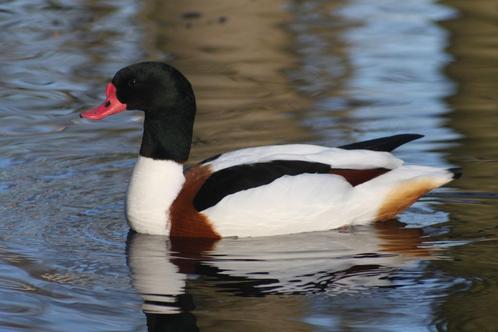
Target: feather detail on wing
[336,157]
[237,178]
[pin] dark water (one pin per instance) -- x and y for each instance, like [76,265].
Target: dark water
[326,72]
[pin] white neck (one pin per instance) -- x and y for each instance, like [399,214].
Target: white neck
[153,187]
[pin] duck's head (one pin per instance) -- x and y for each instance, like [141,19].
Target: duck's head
[152,87]
[167,99]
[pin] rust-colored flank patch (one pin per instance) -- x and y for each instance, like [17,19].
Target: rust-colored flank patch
[403,196]
[358,176]
[186,221]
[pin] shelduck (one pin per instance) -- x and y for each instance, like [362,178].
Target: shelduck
[257,191]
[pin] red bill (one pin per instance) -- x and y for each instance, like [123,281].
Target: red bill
[110,106]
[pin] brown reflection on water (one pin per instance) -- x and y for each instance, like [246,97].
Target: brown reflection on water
[396,239]
[234,53]
[475,103]
[475,71]
[269,313]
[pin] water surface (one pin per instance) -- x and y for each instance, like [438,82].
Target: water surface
[264,72]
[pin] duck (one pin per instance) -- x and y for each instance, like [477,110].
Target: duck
[255,191]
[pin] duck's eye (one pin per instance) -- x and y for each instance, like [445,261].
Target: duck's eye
[132,82]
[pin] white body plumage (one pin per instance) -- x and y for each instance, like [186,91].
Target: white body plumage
[290,204]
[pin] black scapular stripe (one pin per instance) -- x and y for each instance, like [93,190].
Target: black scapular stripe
[212,158]
[242,177]
[386,144]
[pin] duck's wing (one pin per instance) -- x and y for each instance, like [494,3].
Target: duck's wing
[242,177]
[385,144]
[255,167]
[336,157]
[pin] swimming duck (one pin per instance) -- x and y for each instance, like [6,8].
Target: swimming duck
[257,191]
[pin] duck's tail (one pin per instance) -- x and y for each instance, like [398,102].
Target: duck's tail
[400,188]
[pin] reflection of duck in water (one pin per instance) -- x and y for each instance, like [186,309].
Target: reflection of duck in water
[176,276]
[270,190]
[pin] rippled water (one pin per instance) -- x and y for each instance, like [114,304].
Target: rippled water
[326,72]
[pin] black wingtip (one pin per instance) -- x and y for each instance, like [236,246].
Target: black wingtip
[457,172]
[387,144]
